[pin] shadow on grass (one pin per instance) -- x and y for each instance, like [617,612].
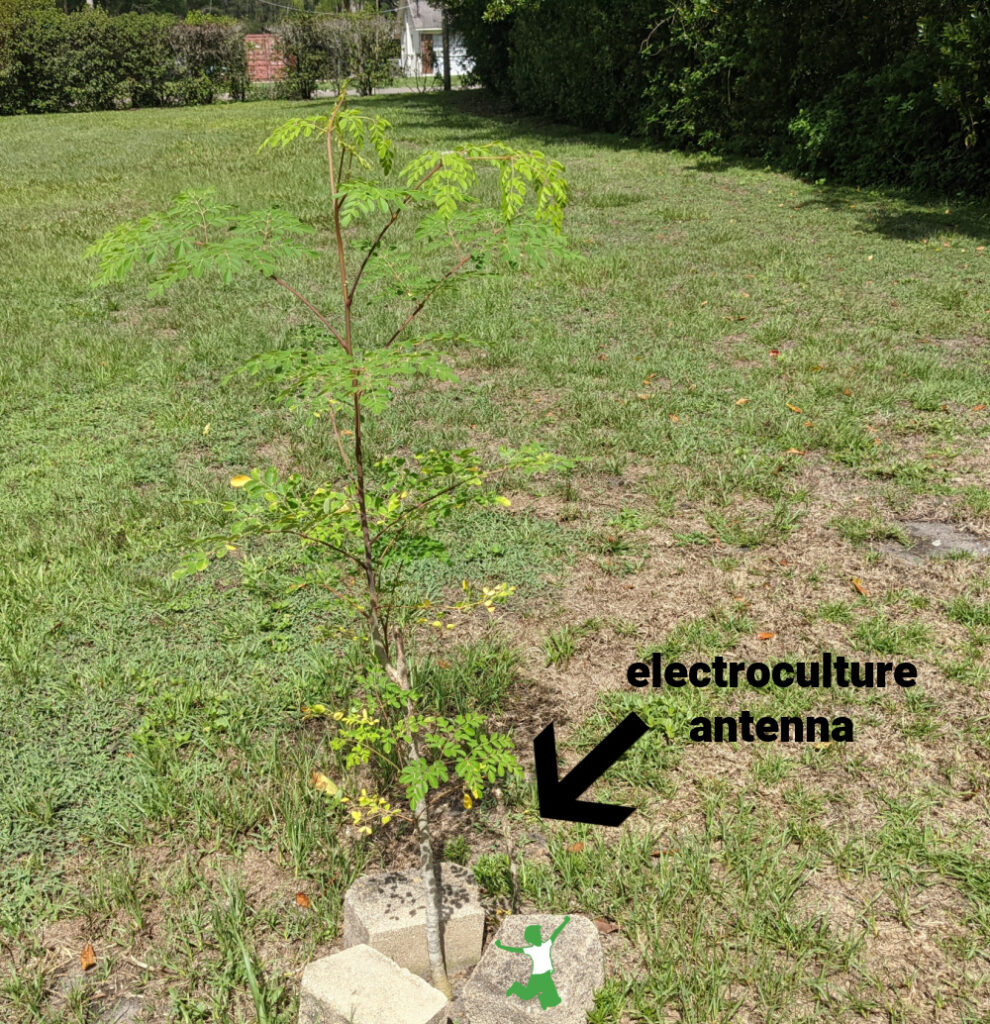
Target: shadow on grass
[912,215]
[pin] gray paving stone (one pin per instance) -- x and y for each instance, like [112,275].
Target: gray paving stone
[578,970]
[388,911]
[361,986]
[935,540]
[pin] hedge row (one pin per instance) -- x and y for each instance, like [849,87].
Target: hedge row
[849,90]
[50,61]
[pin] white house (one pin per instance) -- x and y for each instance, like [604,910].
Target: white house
[422,41]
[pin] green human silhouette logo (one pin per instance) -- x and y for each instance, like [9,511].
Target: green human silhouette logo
[540,984]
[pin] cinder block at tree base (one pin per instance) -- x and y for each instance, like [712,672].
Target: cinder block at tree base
[578,971]
[388,911]
[360,986]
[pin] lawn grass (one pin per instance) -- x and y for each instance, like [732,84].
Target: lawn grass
[764,379]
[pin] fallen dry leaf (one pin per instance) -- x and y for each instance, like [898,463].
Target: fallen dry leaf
[741,401]
[794,408]
[774,353]
[302,900]
[980,407]
[605,926]
[765,636]
[575,847]
[674,418]
[87,958]
[795,451]
[860,589]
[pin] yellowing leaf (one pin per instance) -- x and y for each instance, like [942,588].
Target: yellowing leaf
[468,802]
[239,481]
[322,784]
[860,589]
[794,408]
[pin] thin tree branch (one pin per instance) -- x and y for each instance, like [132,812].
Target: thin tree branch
[336,434]
[426,298]
[381,234]
[309,305]
[371,251]
[324,543]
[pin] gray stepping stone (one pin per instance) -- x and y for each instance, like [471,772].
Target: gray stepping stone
[361,986]
[388,911]
[577,964]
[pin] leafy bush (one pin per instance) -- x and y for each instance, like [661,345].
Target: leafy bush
[321,48]
[88,60]
[210,58]
[896,92]
[886,127]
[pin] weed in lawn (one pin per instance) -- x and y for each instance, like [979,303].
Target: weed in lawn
[838,612]
[457,850]
[714,633]
[969,611]
[561,645]
[881,635]
[860,530]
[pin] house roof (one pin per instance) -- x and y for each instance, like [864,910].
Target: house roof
[425,17]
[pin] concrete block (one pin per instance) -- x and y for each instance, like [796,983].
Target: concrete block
[577,970]
[360,986]
[388,911]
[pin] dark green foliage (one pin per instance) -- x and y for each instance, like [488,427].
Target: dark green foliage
[51,61]
[211,58]
[858,92]
[888,126]
[597,76]
[319,48]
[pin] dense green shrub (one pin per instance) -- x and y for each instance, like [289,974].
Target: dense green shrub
[210,58]
[848,89]
[888,126]
[330,48]
[595,76]
[88,60]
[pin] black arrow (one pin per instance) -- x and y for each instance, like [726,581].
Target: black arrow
[559,797]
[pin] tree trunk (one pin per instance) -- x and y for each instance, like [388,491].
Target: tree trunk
[510,849]
[399,673]
[445,22]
